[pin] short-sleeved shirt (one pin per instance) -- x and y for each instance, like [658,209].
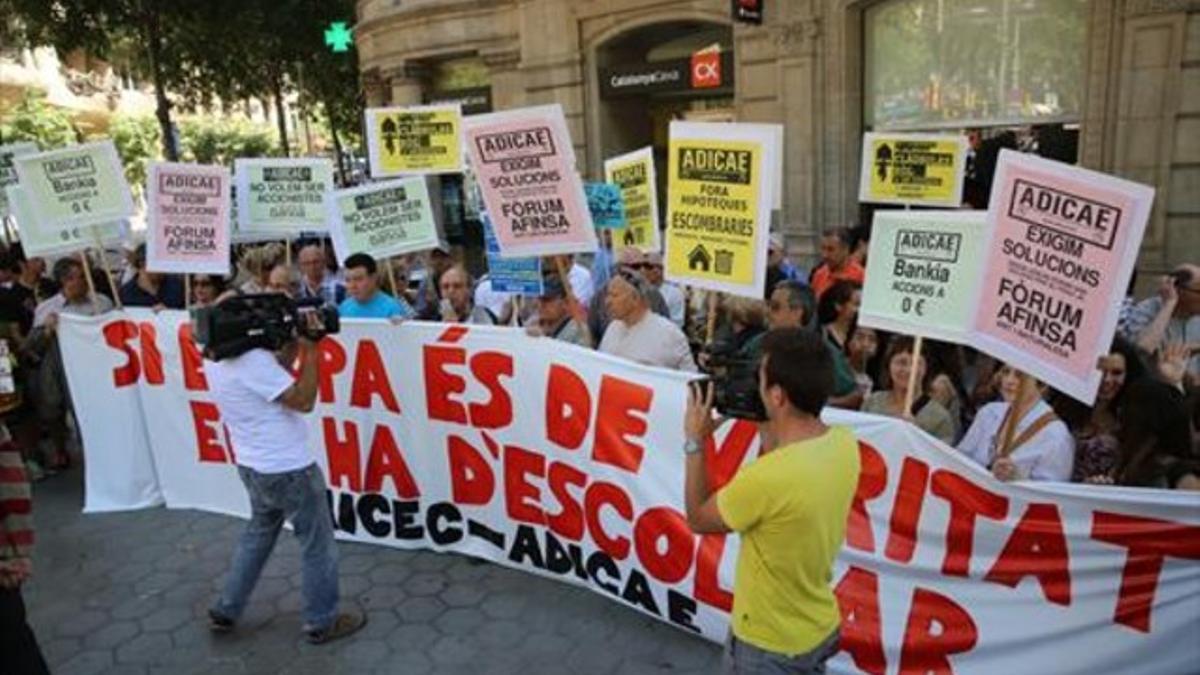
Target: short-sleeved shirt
[380,306]
[267,436]
[823,278]
[653,341]
[932,418]
[790,507]
[1048,455]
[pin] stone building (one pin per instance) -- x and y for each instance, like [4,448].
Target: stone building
[1111,84]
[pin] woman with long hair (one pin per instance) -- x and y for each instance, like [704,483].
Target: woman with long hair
[924,411]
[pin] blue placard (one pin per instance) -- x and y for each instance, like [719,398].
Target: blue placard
[513,275]
[606,204]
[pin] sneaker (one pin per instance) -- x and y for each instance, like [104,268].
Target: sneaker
[345,623]
[218,623]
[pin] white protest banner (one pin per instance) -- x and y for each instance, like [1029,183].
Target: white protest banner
[415,140]
[525,165]
[720,185]
[8,173]
[923,271]
[283,197]
[437,437]
[37,241]
[1062,244]
[634,174]
[915,169]
[382,219]
[76,185]
[187,219]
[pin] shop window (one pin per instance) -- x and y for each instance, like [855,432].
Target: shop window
[954,64]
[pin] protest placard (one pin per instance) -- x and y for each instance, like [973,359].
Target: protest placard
[383,219]
[1062,244]
[915,169]
[76,185]
[415,140]
[522,276]
[720,184]
[8,173]
[37,241]
[633,173]
[187,219]
[282,197]
[923,269]
[526,169]
[606,205]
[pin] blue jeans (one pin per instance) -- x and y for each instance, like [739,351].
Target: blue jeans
[743,658]
[298,496]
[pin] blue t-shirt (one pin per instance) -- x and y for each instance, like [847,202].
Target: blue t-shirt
[380,306]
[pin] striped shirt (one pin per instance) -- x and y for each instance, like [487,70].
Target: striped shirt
[16,506]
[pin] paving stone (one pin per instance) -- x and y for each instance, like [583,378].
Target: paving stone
[453,650]
[382,596]
[81,624]
[59,650]
[425,583]
[87,663]
[411,637]
[420,610]
[111,635]
[144,648]
[462,595]
[167,619]
[389,573]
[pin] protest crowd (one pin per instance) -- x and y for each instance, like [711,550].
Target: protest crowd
[1140,432]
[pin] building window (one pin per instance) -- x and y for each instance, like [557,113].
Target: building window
[951,64]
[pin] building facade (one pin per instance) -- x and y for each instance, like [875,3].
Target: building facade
[1115,84]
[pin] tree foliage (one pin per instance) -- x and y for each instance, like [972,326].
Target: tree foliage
[137,139]
[34,120]
[213,141]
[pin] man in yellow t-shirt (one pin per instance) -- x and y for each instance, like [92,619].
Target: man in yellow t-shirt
[789,506]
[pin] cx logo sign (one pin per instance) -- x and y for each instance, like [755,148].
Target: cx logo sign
[706,70]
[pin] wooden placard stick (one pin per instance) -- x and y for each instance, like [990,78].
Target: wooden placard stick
[391,277]
[907,413]
[87,274]
[112,284]
[710,329]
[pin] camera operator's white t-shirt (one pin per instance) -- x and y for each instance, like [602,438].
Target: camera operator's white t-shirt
[267,436]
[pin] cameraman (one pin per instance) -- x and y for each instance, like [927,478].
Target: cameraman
[263,407]
[789,506]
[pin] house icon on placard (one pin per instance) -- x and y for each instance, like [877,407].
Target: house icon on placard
[699,259]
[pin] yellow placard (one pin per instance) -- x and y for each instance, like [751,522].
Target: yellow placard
[425,139]
[713,210]
[634,175]
[913,169]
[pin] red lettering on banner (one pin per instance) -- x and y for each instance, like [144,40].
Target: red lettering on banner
[521,497]
[1149,541]
[342,455]
[117,335]
[862,633]
[488,368]
[568,522]
[967,501]
[707,586]
[723,462]
[872,479]
[331,360]
[205,420]
[152,360]
[616,423]
[928,650]
[371,379]
[191,359]
[386,461]
[662,523]
[568,408]
[598,495]
[906,510]
[441,384]
[471,477]
[1037,547]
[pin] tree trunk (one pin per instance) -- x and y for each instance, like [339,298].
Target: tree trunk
[337,143]
[280,115]
[163,108]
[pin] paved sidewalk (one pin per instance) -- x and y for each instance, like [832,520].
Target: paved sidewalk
[127,593]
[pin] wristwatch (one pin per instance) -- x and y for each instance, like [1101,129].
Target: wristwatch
[691,446]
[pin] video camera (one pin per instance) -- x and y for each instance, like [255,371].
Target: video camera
[263,321]
[734,379]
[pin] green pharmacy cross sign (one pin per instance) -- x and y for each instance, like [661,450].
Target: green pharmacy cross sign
[338,37]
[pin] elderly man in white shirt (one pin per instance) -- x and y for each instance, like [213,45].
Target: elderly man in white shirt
[638,334]
[652,267]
